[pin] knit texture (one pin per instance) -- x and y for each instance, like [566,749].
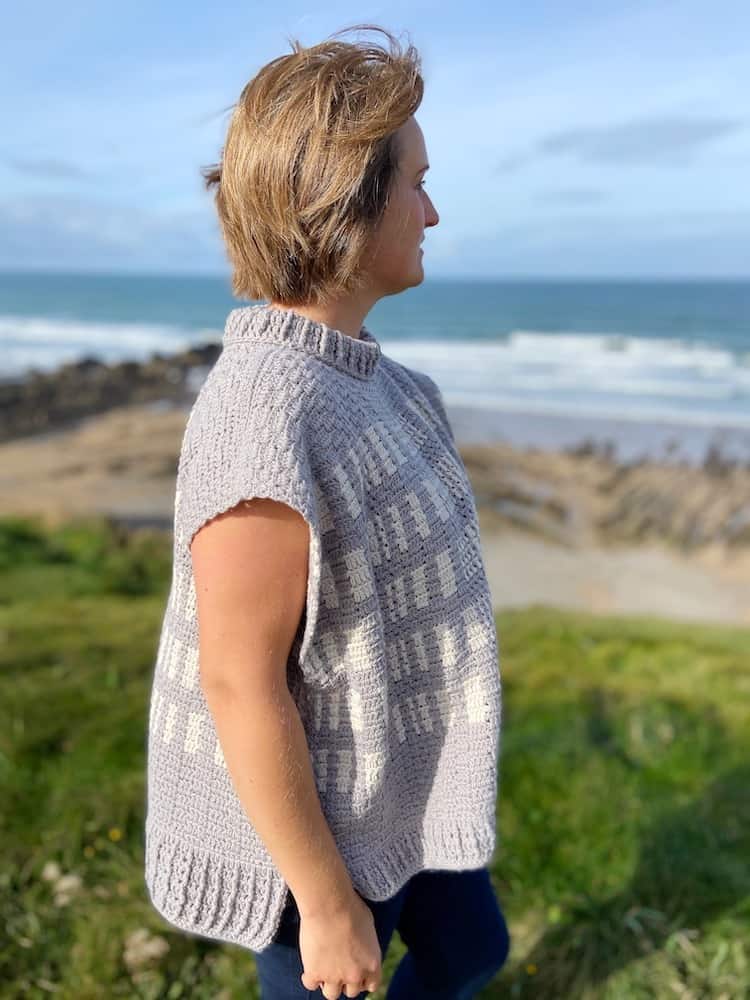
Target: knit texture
[394,668]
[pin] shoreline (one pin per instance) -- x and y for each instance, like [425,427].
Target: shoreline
[570,529]
[42,404]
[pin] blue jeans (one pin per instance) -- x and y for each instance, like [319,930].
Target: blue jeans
[450,922]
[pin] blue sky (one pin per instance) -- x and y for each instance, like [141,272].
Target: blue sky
[565,139]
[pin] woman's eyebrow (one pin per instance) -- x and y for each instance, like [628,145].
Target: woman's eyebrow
[425,167]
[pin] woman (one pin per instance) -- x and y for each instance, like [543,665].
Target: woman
[325,714]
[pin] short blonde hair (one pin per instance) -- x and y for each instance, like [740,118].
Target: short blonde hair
[308,165]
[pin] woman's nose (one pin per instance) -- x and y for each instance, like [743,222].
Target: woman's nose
[431,217]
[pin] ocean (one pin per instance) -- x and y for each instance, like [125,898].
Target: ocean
[658,368]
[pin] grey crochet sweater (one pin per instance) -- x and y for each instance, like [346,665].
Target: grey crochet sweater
[394,668]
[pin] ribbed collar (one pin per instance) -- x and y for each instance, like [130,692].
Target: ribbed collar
[273,325]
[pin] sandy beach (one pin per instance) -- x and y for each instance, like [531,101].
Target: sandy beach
[563,529]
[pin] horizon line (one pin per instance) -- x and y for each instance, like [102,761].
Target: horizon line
[562,278]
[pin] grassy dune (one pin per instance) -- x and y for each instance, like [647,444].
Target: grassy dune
[623,863]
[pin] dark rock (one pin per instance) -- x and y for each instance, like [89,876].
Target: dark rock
[41,402]
[715,464]
[586,448]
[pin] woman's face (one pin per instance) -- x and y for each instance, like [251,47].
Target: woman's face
[396,258]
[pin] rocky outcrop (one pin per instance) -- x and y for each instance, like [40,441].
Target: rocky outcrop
[585,497]
[47,401]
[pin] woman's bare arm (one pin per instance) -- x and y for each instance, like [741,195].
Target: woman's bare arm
[250,567]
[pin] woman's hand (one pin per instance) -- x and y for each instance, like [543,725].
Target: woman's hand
[340,951]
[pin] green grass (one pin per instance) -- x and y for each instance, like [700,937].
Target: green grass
[623,861]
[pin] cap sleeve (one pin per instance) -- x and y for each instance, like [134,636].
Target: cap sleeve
[246,437]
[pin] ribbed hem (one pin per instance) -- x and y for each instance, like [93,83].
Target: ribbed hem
[217,897]
[269,324]
[378,875]
[210,895]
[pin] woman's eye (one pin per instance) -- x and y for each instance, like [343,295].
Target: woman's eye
[421,184]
